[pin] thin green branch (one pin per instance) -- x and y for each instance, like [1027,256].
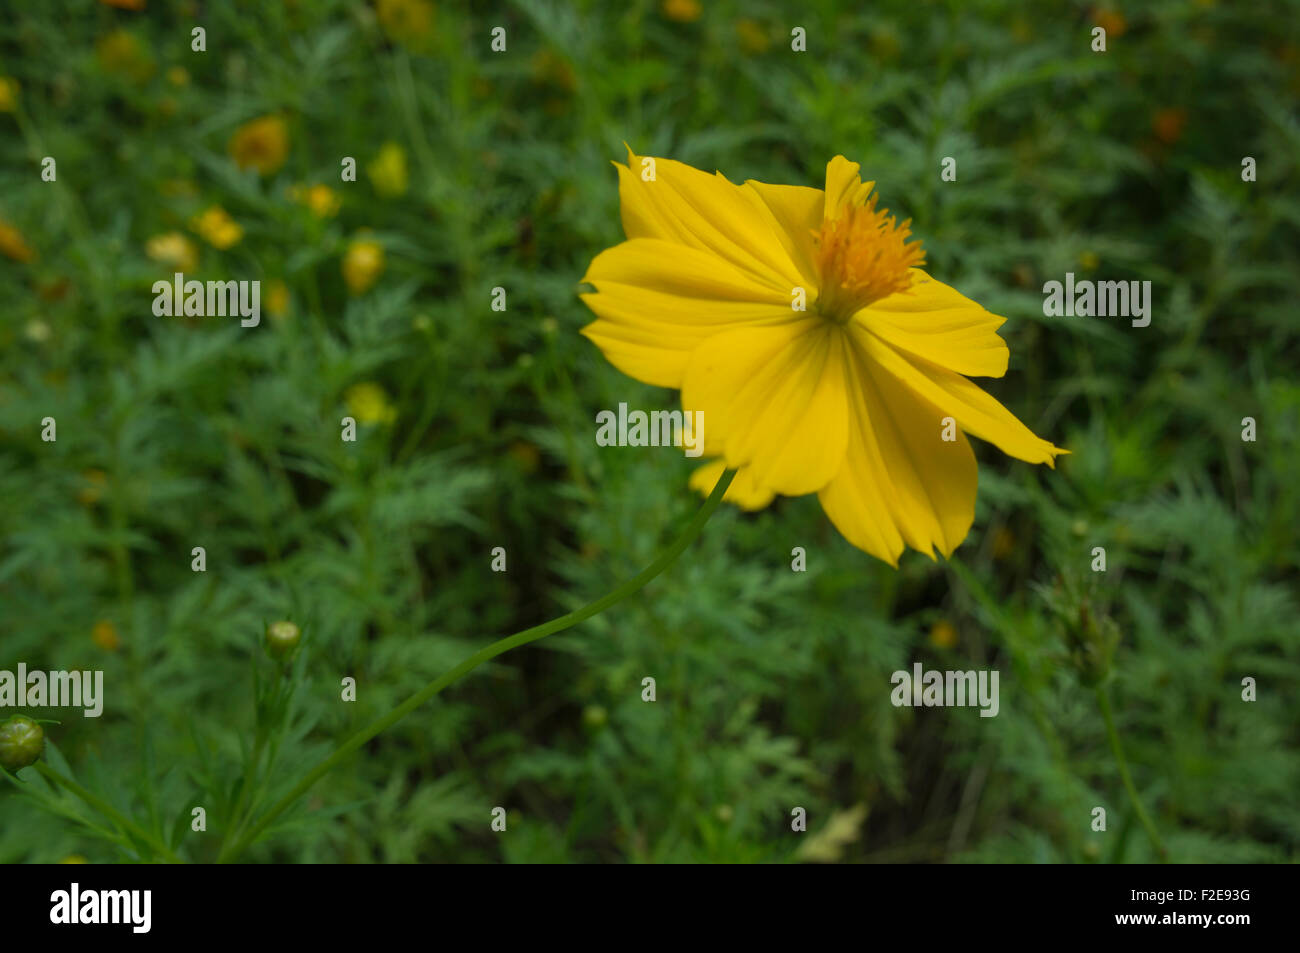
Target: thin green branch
[631,586]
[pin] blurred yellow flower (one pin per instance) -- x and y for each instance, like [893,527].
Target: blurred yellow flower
[37,331]
[173,249]
[217,228]
[1168,125]
[8,94]
[405,21]
[1004,544]
[368,403]
[178,76]
[104,634]
[277,299]
[753,38]
[551,69]
[526,455]
[943,635]
[74,859]
[683,11]
[1089,261]
[262,144]
[388,170]
[321,199]
[1112,21]
[363,263]
[122,54]
[93,489]
[12,244]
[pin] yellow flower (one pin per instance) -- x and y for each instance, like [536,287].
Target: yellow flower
[1112,21]
[178,76]
[122,54]
[89,494]
[173,249]
[368,403]
[13,245]
[104,634]
[277,299]
[388,170]
[405,21]
[363,263]
[217,228]
[321,199]
[683,11]
[862,398]
[753,38]
[8,94]
[74,859]
[943,635]
[262,144]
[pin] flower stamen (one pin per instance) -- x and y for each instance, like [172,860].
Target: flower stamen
[863,255]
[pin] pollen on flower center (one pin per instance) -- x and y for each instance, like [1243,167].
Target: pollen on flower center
[863,255]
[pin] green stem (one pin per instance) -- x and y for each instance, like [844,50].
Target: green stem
[106,809]
[1103,700]
[633,585]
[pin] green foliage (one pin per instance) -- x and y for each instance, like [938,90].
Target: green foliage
[772,686]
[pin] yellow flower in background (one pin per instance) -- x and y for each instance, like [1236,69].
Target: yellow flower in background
[8,94]
[13,245]
[363,263]
[943,635]
[217,228]
[122,54]
[178,76]
[1112,21]
[388,170]
[861,398]
[74,859]
[277,299]
[683,11]
[753,38]
[368,403]
[93,489]
[321,199]
[405,21]
[173,249]
[262,144]
[104,634]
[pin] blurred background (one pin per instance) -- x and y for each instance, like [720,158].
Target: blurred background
[478,169]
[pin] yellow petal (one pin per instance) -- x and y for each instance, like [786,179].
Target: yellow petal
[901,482]
[775,396]
[941,325]
[844,186]
[954,396]
[657,302]
[797,211]
[684,205]
[744,492]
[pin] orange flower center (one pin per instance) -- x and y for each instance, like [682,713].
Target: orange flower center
[863,255]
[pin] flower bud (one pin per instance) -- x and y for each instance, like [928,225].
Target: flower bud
[282,640]
[21,742]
